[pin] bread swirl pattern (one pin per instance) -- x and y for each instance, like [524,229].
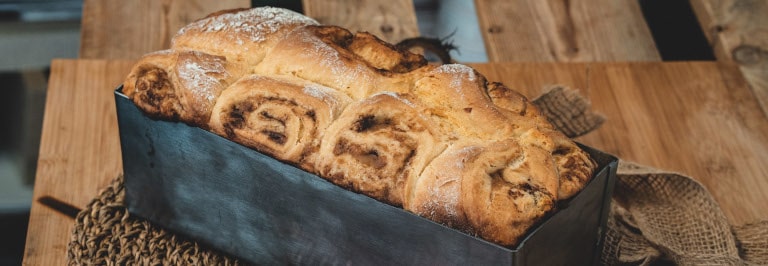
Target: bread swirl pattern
[378,145]
[281,118]
[487,189]
[439,141]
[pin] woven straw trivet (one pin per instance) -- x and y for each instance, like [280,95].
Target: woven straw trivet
[655,216]
[105,234]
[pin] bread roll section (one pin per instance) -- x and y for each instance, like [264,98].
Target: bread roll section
[378,145]
[496,190]
[283,119]
[439,141]
[180,85]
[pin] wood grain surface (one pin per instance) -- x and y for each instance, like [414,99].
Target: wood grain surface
[79,150]
[695,118]
[391,21]
[738,31]
[129,29]
[565,31]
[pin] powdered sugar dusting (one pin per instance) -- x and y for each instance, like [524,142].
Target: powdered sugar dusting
[330,58]
[445,193]
[449,190]
[161,52]
[466,154]
[325,94]
[446,190]
[457,69]
[320,92]
[198,75]
[460,72]
[396,96]
[255,23]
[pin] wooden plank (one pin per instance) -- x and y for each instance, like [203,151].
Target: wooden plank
[129,29]
[391,21]
[696,118]
[738,31]
[79,150]
[565,31]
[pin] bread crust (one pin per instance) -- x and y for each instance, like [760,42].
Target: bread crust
[241,35]
[574,166]
[180,85]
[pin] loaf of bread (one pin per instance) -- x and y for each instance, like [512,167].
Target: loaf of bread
[439,141]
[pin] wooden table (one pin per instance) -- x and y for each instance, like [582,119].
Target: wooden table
[697,118]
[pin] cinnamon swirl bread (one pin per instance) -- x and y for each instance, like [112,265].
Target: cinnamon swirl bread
[439,141]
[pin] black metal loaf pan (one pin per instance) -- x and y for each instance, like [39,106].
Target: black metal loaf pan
[246,204]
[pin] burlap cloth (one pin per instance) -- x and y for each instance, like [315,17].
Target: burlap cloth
[656,217]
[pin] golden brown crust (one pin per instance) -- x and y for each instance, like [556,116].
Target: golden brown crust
[241,35]
[456,93]
[440,141]
[334,57]
[384,56]
[573,165]
[179,85]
